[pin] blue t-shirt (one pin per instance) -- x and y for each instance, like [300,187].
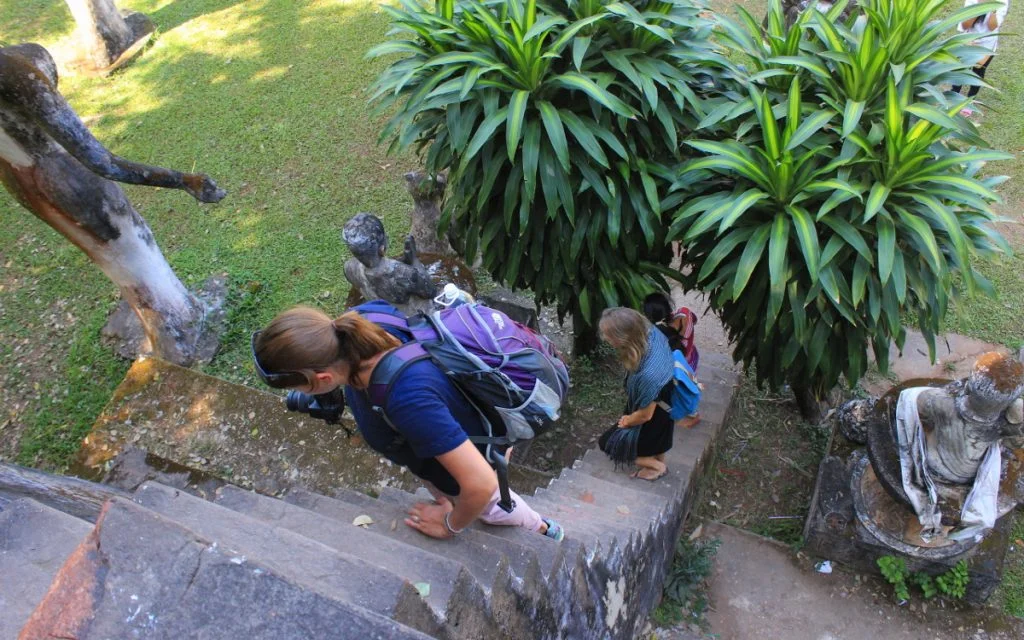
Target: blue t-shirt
[432,418]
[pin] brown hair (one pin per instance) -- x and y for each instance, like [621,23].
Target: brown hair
[625,330]
[306,339]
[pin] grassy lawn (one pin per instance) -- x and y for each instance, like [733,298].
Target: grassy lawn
[266,96]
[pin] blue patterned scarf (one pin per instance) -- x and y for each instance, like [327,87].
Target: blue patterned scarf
[643,387]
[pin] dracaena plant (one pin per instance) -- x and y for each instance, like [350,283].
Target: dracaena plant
[560,124]
[820,227]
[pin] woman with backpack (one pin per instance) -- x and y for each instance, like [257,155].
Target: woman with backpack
[644,434]
[427,427]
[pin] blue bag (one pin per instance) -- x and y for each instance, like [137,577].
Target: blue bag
[686,391]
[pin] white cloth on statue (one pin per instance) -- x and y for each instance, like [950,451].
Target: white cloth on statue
[979,510]
[917,483]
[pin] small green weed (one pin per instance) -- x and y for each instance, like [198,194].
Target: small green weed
[952,583]
[683,597]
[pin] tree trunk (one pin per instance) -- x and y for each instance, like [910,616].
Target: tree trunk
[813,408]
[57,170]
[105,37]
[121,245]
[585,336]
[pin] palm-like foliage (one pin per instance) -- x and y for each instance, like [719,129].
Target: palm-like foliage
[560,123]
[846,201]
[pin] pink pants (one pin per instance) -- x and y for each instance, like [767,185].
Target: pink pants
[522,516]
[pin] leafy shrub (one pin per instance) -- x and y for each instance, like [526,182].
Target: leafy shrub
[561,125]
[845,193]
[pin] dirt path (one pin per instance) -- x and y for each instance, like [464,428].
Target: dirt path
[758,589]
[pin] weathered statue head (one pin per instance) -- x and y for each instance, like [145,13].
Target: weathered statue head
[995,383]
[364,234]
[423,186]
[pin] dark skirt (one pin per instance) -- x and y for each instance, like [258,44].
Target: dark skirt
[655,434]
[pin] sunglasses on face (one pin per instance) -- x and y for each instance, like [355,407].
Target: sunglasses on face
[282,380]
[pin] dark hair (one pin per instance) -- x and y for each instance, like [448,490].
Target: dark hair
[657,306]
[306,339]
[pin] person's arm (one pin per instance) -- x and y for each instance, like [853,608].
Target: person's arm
[477,483]
[640,416]
[29,90]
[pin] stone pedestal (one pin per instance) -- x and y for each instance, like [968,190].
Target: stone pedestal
[838,526]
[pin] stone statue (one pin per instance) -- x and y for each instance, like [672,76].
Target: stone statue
[405,283]
[963,419]
[942,468]
[427,192]
[949,438]
[791,9]
[56,169]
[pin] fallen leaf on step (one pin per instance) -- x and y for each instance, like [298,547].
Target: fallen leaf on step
[696,532]
[363,521]
[587,497]
[423,588]
[623,509]
[394,524]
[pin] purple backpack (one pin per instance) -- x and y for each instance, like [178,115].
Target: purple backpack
[510,374]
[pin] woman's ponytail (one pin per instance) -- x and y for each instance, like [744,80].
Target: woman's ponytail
[359,339]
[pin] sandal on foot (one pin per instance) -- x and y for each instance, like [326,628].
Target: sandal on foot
[554,531]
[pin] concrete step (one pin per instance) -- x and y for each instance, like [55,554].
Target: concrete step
[351,496]
[578,527]
[622,523]
[140,575]
[479,552]
[451,586]
[582,486]
[332,573]
[668,487]
[543,548]
[35,540]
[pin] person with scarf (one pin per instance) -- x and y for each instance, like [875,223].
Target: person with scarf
[644,434]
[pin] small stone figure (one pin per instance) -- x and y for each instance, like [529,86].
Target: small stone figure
[791,9]
[51,163]
[405,283]
[427,192]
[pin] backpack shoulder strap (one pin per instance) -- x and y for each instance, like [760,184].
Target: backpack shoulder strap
[387,371]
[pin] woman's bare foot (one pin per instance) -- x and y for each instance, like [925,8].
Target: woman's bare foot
[649,474]
[690,422]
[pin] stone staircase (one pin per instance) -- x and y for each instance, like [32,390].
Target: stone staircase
[164,563]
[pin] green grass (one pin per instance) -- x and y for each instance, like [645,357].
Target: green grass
[1010,596]
[266,96]
[1001,320]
